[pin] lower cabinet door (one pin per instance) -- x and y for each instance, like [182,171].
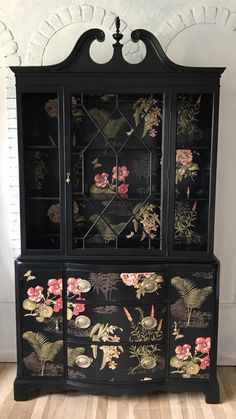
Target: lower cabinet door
[40,332]
[192,334]
[119,363]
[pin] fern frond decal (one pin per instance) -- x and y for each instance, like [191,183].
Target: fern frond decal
[44,350]
[192,296]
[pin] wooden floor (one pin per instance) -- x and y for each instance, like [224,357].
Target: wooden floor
[72,405]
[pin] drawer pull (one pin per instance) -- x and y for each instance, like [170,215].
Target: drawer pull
[83,285]
[83,322]
[149,285]
[148,362]
[149,322]
[83,361]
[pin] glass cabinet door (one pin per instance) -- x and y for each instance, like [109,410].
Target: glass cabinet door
[193,142]
[116,170]
[41,170]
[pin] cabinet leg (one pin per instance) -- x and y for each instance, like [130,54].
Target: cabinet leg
[212,394]
[21,391]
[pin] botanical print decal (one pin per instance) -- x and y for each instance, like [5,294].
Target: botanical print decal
[106,183]
[190,362]
[43,303]
[147,329]
[54,214]
[44,350]
[104,283]
[188,110]
[185,216]
[40,169]
[191,296]
[144,282]
[147,357]
[185,168]
[106,333]
[149,110]
[145,219]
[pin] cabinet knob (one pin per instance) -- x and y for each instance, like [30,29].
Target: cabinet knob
[149,322]
[83,285]
[149,285]
[148,362]
[68,178]
[82,322]
[83,361]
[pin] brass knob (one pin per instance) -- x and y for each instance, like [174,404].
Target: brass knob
[148,362]
[149,285]
[83,285]
[149,322]
[83,322]
[83,361]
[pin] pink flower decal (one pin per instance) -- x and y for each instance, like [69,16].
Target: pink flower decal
[58,305]
[120,173]
[101,180]
[78,308]
[184,157]
[72,285]
[35,294]
[205,362]
[203,345]
[129,279]
[123,190]
[54,213]
[55,286]
[183,352]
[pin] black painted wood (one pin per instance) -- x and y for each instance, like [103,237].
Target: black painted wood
[80,74]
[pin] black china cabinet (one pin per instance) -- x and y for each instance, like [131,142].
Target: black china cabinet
[117,283]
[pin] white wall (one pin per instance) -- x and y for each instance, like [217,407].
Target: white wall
[193,33]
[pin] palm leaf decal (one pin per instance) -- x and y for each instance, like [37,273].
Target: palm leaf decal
[111,127]
[44,350]
[192,296]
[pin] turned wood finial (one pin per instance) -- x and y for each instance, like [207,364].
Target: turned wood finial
[117,36]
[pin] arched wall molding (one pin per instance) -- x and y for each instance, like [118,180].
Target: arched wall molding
[199,15]
[69,15]
[9,56]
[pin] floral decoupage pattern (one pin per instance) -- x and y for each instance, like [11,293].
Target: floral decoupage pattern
[118,170]
[132,362]
[191,314]
[109,286]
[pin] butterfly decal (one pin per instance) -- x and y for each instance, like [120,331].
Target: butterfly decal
[96,163]
[29,276]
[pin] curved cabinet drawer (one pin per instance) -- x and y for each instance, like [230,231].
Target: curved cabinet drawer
[116,286]
[116,363]
[117,323]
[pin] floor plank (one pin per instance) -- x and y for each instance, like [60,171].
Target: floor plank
[75,405]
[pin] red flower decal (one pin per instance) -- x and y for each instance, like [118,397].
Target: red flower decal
[101,180]
[183,352]
[205,362]
[130,279]
[120,173]
[55,286]
[123,190]
[72,285]
[79,308]
[203,345]
[35,294]
[58,305]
